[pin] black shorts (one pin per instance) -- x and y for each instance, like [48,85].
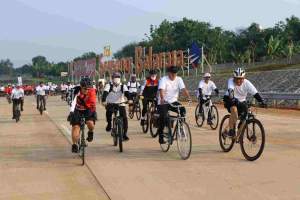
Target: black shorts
[87,114]
[241,106]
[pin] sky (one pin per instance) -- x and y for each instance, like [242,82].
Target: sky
[64,29]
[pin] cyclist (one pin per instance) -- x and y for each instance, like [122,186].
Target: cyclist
[63,89]
[84,104]
[69,88]
[169,88]
[205,88]
[17,96]
[114,94]
[41,95]
[133,87]
[235,97]
[148,92]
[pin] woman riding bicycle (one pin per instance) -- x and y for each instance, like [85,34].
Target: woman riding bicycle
[235,97]
[83,105]
[133,87]
[114,94]
[205,88]
[169,88]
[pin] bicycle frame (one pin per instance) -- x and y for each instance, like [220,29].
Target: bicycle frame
[178,119]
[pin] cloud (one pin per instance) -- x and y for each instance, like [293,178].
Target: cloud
[297,2]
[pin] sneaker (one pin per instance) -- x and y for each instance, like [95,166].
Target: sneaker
[125,138]
[45,109]
[13,117]
[74,148]
[231,133]
[90,136]
[108,128]
[209,122]
[37,107]
[22,110]
[161,139]
[142,122]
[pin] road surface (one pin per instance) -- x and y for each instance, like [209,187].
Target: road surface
[36,163]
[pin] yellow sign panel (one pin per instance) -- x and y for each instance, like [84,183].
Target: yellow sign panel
[107,51]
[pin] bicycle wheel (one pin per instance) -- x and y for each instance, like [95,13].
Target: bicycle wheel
[18,113]
[145,126]
[41,108]
[114,133]
[138,111]
[120,135]
[199,116]
[226,142]
[153,126]
[252,139]
[167,134]
[82,148]
[184,140]
[131,114]
[214,117]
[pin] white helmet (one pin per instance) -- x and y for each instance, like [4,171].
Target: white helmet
[206,75]
[239,73]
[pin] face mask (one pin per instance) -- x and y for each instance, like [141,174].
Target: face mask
[117,81]
[153,77]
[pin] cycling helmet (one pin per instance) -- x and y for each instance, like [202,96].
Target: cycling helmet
[173,69]
[206,75]
[239,73]
[116,75]
[152,72]
[86,82]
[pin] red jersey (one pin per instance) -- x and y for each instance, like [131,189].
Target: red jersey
[8,90]
[87,101]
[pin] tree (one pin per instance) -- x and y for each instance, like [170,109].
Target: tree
[6,67]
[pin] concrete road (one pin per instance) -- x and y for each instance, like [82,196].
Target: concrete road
[36,162]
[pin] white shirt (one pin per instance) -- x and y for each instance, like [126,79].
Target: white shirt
[207,88]
[17,93]
[41,90]
[133,87]
[63,87]
[2,89]
[241,92]
[116,95]
[171,88]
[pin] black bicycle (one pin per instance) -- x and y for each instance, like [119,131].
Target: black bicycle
[82,142]
[117,131]
[208,111]
[181,133]
[148,116]
[250,135]
[41,103]
[17,110]
[135,108]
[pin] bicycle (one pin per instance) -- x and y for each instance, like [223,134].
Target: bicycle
[41,104]
[117,131]
[135,108]
[208,111]
[249,129]
[17,110]
[8,98]
[82,143]
[99,95]
[150,108]
[181,133]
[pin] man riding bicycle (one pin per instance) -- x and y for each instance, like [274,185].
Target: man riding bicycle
[235,97]
[133,87]
[17,96]
[114,94]
[169,88]
[148,92]
[41,95]
[205,88]
[83,105]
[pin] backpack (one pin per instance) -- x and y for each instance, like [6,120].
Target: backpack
[111,88]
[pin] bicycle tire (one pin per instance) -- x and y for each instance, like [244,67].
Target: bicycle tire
[138,111]
[153,130]
[131,114]
[261,149]
[214,126]
[222,135]
[82,148]
[199,117]
[114,134]
[120,135]
[167,132]
[145,126]
[188,135]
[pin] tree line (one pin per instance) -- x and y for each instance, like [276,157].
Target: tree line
[245,45]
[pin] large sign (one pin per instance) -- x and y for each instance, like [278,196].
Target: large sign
[84,68]
[144,61]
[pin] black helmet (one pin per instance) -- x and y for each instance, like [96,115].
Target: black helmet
[173,69]
[116,75]
[152,72]
[86,82]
